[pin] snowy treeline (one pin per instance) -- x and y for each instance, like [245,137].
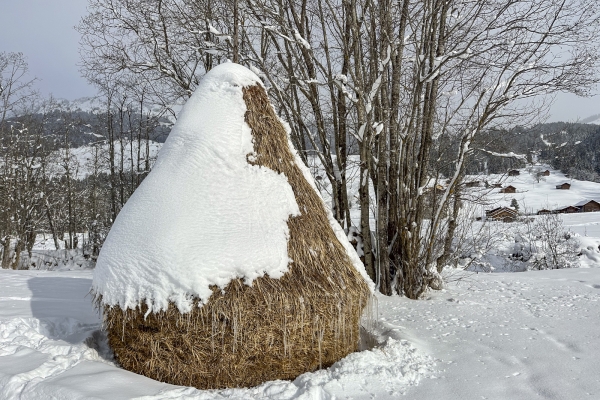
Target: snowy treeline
[570,147]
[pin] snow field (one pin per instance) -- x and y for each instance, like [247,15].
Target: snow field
[531,335]
[521,245]
[88,160]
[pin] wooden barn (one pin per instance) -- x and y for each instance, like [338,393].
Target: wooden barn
[509,189]
[567,210]
[544,211]
[588,206]
[545,173]
[504,214]
[564,186]
[472,184]
[514,172]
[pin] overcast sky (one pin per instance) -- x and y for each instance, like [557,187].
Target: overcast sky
[43,31]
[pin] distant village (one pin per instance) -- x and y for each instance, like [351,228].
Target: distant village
[510,214]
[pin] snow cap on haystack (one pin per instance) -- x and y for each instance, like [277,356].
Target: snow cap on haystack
[224,268]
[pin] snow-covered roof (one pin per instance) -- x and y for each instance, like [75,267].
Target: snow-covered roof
[565,207]
[204,216]
[501,210]
[584,202]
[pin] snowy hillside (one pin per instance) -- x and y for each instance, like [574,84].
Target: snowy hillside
[569,239]
[94,159]
[534,193]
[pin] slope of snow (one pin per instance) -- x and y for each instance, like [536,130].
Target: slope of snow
[523,244]
[88,160]
[93,105]
[531,335]
[203,216]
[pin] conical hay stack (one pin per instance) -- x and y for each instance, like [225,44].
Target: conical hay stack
[273,329]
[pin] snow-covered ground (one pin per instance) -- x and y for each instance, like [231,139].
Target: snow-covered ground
[51,347]
[531,335]
[592,119]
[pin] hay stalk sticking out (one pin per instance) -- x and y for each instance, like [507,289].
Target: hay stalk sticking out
[273,329]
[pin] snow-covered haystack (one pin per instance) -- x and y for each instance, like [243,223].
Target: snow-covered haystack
[225,269]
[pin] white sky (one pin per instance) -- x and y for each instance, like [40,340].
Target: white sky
[43,31]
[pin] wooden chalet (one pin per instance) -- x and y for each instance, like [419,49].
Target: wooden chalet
[508,189]
[545,173]
[472,184]
[544,211]
[504,214]
[564,186]
[567,210]
[588,206]
[514,172]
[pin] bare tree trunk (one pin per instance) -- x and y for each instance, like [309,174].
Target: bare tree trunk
[6,252]
[19,247]
[452,225]
[383,259]
[236,40]
[364,135]
[122,154]
[111,161]
[395,143]
[51,225]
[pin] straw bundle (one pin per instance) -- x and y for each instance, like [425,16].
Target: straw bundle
[274,329]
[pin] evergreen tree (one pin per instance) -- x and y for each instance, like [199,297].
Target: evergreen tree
[514,204]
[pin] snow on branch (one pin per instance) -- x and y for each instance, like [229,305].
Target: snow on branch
[299,39]
[506,155]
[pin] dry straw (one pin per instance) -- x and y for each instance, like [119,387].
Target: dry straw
[274,329]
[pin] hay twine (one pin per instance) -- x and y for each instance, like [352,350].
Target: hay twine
[275,328]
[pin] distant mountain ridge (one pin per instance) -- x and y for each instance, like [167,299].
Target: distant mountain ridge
[84,121]
[93,105]
[593,119]
[570,147]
